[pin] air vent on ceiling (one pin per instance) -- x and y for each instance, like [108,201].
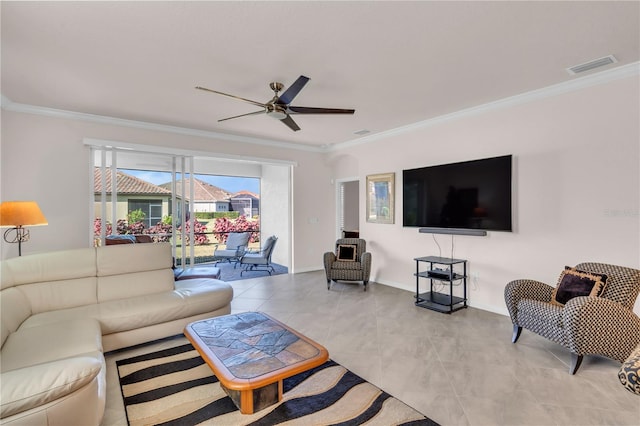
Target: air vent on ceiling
[361,132]
[600,62]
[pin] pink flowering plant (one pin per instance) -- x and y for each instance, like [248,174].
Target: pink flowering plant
[223,226]
[199,233]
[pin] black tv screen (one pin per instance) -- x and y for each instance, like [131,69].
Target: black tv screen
[468,195]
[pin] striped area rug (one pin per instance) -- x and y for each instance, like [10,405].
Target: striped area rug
[176,387]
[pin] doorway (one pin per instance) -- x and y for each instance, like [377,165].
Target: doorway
[348,206]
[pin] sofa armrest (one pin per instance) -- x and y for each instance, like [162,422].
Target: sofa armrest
[329,258]
[29,387]
[365,261]
[599,326]
[517,290]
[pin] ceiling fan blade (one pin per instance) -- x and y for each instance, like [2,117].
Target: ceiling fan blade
[292,124]
[260,104]
[243,115]
[293,90]
[310,110]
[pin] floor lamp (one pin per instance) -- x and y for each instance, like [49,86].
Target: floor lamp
[16,215]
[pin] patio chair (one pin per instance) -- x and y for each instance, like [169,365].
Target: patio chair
[237,243]
[260,260]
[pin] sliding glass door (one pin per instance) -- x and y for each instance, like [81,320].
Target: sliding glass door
[135,199]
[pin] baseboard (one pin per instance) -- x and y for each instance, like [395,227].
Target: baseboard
[308,269]
[490,308]
[500,310]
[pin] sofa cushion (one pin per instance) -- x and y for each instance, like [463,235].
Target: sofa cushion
[49,342]
[190,297]
[147,310]
[540,312]
[14,310]
[224,254]
[54,280]
[132,270]
[574,282]
[355,266]
[51,295]
[128,258]
[134,284]
[30,387]
[49,267]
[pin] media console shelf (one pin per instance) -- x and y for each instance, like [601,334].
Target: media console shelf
[441,302]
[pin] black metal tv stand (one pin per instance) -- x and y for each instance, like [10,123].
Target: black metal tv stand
[441,270]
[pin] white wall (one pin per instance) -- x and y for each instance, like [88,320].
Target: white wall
[576,194]
[43,159]
[275,214]
[576,197]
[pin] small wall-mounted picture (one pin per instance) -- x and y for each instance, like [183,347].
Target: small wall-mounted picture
[380,200]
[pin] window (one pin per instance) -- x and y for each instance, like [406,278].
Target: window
[152,210]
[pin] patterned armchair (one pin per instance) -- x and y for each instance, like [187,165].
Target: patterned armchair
[629,373]
[350,262]
[586,325]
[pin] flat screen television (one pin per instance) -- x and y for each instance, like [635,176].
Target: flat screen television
[467,195]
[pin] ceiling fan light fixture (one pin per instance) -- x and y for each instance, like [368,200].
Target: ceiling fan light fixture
[276,112]
[278,115]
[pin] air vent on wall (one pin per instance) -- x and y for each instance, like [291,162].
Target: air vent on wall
[600,62]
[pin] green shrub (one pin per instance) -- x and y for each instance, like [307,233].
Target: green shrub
[204,215]
[228,215]
[136,216]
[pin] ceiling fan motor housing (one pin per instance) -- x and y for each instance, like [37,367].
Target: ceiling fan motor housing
[276,86]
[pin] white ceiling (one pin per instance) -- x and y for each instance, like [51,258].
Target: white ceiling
[396,63]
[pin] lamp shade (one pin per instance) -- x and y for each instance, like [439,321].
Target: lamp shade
[21,213]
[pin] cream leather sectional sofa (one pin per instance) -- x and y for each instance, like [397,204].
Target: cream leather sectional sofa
[61,311]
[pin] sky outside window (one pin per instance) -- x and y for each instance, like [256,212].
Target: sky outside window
[231,184]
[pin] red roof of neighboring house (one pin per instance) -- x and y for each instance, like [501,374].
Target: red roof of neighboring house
[245,193]
[125,184]
[203,191]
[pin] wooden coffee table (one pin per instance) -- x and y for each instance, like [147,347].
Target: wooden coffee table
[251,353]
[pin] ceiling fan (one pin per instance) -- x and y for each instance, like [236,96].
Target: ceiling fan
[279,107]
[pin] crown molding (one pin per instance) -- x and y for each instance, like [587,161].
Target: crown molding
[595,79]
[625,71]
[9,105]
[132,147]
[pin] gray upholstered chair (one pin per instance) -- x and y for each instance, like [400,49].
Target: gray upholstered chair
[260,261]
[587,325]
[236,246]
[349,262]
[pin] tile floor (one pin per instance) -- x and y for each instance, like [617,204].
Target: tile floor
[459,369]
